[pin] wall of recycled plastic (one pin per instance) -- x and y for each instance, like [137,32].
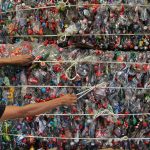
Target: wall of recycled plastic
[97,49]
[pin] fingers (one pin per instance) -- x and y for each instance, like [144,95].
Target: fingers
[31,57]
[27,59]
[70,99]
[72,96]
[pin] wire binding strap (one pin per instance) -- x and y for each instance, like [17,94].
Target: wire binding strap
[65,138]
[77,35]
[76,5]
[138,114]
[40,86]
[89,61]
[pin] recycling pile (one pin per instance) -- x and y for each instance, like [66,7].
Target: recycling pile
[98,50]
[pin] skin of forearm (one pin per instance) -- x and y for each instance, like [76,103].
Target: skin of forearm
[4,61]
[16,60]
[38,108]
[10,61]
[13,112]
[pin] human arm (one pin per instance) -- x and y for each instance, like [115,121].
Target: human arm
[13,112]
[16,60]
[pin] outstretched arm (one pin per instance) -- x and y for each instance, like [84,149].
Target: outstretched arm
[14,112]
[17,60]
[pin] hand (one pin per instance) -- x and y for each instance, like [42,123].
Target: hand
[69,99]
